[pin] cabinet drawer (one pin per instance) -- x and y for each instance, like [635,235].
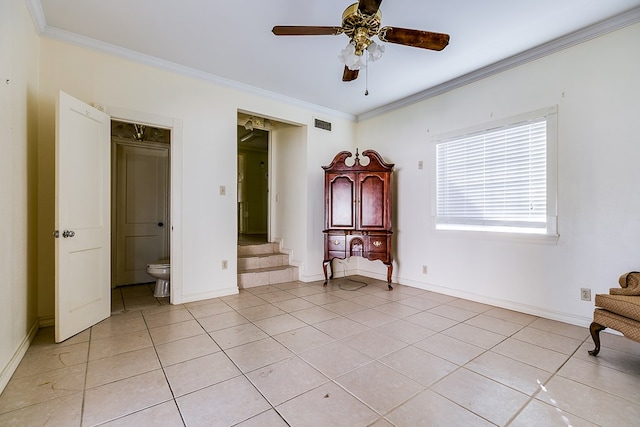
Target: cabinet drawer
[377,243]
[336,254]
[382,256]
[334,243]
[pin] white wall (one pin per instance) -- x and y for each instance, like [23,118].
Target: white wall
[298,155]
[288,195]
[18,176]
[597,90]
[208,113]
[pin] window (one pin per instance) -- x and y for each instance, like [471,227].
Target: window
[501,178]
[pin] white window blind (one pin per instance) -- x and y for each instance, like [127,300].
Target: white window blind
[494,179]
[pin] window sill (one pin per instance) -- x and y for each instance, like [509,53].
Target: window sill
[505,236]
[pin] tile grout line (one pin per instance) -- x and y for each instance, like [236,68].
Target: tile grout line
[530,398]
[155,349]
[535,396]
[86,374]
[244,374]
[542,386]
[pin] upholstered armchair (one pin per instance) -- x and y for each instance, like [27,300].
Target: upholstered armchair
[619,310]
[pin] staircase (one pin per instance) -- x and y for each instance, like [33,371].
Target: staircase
[263,264]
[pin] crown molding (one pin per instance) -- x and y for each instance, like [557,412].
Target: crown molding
[588,33]
[37,15]
[39,20]
[87,42]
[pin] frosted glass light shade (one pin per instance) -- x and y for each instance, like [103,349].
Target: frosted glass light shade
[375,51]
[357,62]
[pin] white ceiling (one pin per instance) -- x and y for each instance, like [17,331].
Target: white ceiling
[231,42]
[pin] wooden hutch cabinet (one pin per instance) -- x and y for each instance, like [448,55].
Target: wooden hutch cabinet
[357,213]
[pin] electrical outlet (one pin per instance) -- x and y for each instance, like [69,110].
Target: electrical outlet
[223,190]
[420,164]
[424,269]
[585,294]
[225,264]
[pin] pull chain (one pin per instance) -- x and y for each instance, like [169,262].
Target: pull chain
[366,76]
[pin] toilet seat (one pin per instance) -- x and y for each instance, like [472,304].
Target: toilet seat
[163,263]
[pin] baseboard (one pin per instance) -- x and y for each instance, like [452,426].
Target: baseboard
[47,321]
[509,305]
[11,367]
[497,302]
[340,272]
[311,278]
[208,295]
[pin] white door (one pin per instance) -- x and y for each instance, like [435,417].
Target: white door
[82,247]
[141,210]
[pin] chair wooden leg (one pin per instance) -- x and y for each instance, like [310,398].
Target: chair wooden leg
[595,329]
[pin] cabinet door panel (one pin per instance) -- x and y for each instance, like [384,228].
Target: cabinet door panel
[341,199]
[372,201]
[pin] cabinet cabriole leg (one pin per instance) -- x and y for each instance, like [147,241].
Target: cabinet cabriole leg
[389,272]
[324,269]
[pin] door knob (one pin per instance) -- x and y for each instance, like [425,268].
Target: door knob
[68,233]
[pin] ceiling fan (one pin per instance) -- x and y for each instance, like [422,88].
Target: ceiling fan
[360,22]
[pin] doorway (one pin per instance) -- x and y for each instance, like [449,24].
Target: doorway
[140,196]
[253,180]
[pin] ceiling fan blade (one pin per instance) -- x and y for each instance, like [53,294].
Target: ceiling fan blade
[349,75]
[369,7]
[414,38]
[294,30]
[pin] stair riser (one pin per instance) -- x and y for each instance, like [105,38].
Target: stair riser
[252,280]
[266,248]
[250,263]
[252,258]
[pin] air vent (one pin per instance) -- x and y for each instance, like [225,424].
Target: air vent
[321,124]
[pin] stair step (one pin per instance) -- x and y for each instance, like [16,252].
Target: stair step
[251,262]
[267,276]
[261,249]
[263,264]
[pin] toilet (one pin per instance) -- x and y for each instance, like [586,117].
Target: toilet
[161,271]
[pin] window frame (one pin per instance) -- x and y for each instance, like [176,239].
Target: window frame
[544,235]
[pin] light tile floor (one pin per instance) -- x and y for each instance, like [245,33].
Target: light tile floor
[304,355]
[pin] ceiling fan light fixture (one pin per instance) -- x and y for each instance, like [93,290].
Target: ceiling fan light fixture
[350,58]
[375,51]
[361,22]
[248,125]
